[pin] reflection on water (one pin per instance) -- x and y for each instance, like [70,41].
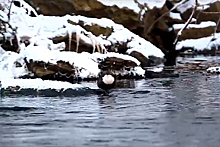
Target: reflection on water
[153,112]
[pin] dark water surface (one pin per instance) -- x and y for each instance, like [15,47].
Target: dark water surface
[170,112]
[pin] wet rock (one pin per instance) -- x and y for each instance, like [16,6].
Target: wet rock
[114,63]
[145,62]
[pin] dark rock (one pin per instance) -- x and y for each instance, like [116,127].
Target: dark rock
[10,46]
[145,62]
[114,63]
[62,71]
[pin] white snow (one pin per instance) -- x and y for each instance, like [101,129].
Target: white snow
[120,33]
[190,26]
[112,54]
[213,69]
[3,16]
[204,4]
[139,71]
[132,5]
[199,44]
[175,15]
[39,84]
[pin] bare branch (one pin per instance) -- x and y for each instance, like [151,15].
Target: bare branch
[186,24]
[177,5]
[9,12]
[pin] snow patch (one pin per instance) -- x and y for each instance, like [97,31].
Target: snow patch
[191,4]
[132,5]
[175,16]
[190,26]
[39,84]
[213,69]
[201,43]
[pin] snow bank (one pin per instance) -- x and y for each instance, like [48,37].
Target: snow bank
[200,44]
[120,33]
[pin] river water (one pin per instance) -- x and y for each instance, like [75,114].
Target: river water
[167,112]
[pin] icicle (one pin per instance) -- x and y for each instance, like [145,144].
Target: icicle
[93,44]
[70,38]
[77,41]
[98,48]
[10,40]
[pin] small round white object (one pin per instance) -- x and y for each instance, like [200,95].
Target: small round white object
[108,79]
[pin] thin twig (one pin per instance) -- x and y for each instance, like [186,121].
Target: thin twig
[217,24]
[186,24]
[9,13]
[77,42]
